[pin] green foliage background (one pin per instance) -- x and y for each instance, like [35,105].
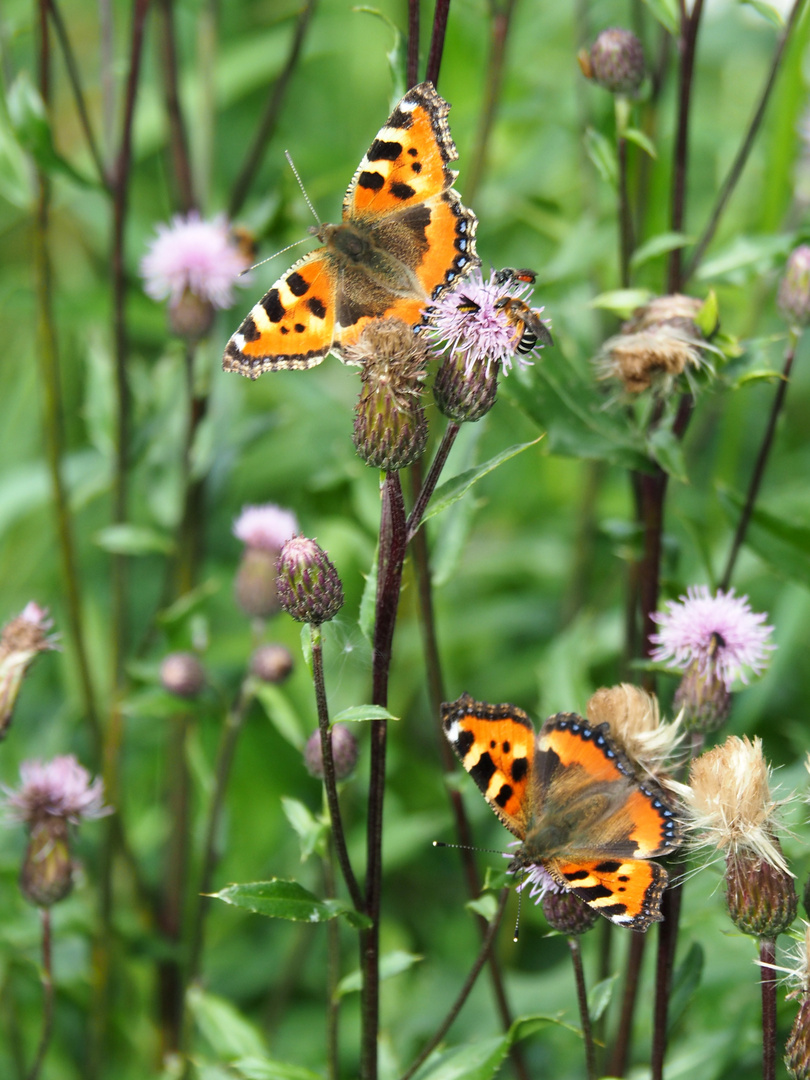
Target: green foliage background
[531,567]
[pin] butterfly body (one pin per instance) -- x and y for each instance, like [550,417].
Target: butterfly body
[573,799]
[404,239]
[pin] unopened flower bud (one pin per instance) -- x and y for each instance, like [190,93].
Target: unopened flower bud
[47,871]
[256,586]
[794,288]
[761,897]
[703,699]
[309,587]
[271,663]
[21,640]
[465,392]
[181,673]
[390,427]
[616,61]
[191,317]
[797,1047]
[344,752]
[566,913]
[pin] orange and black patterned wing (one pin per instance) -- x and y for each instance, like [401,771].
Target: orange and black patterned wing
[496,745]
[586,780]
[293,325]
[626,891]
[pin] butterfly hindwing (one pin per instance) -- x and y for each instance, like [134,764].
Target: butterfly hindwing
[495,744]
[405,237]
[626,891]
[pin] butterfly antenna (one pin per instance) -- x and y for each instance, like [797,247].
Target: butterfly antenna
[295,243]
[307,199]
[517,920]
[469,847]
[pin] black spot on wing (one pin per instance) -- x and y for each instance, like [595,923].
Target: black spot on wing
[608,867]
[299,328]
[416,167]
[504,795]
[296,284]
[483,771]
[612,910]
[520,766]
[381,150]
[371,181]
[402,191]
[399,119]
[413,151]
[594,892]
[463,743]
[249,329]
[316,306]
[273,306]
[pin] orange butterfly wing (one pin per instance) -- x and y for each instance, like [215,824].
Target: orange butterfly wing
[626,891]
[405,238]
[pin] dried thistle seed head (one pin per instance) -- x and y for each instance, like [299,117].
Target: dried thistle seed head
[21,640]
[344,752]
[674,309]
[761,897]
[271,663]
[797,1047]
[567,914]
[729,802]
[616,61]
[462,393]
[649,358]
[794,289]
[390,427]
[634,720]
[309,586]
[182,673]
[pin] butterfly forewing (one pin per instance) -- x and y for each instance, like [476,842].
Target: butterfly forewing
[496,745]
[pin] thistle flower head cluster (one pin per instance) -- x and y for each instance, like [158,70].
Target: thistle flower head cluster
[730,808]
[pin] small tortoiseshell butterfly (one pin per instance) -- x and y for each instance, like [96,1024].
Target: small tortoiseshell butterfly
[574,800]
[404,239]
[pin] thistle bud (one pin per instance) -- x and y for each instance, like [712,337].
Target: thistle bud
[797,1047]
[761,897]
[616,61]
[309,587]
[465,392]
[344,752]
[390,427]
[181,673]
[47,871]
[263,530]
[566,913]
[191,316]
[794,289]
[271,663]
[703,700]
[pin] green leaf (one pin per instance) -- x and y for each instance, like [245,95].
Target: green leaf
[603,154]
[307,633]
[368,601]
[391,964]
[623,302]
[480,1061]
[279,899]
[29,120]
[666,11]
[708,318]
[223,1027]
[633,135]
[600,995]
[485,905]
[454,489]
[363,712]
[746,258]
[768,11]
[665,448]
[133,540]
[311,830]
[279,711]
[256,1068]
[685,981]
[188,603]
[496,879]
[396,55]
[657,245]
[784,546]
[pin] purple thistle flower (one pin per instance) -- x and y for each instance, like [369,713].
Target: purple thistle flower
[193,255]
[721,634]
[466,320]
[58,788]
[267,527]
[540,882]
